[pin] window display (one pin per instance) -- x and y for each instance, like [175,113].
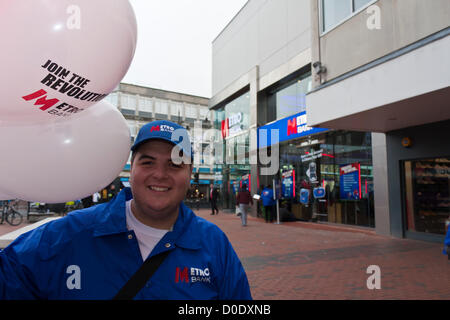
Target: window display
[333,178]
[427,193]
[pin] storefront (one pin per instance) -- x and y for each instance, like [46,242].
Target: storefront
[323,175]
[327,176]
[427,195]
[231,166]
[419,180]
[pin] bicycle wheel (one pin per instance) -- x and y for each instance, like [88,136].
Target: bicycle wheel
[14,218]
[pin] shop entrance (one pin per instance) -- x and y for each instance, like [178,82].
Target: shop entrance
[427,195]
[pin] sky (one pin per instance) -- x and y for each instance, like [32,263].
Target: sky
[174,49]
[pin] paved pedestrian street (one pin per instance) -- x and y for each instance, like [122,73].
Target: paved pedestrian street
[311,261]
[303,260]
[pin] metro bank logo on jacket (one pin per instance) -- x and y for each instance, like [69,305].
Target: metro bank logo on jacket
[90,254]
[192,275]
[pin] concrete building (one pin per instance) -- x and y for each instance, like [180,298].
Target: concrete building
[261,75]
[140,105]
[383,67]
[357,91]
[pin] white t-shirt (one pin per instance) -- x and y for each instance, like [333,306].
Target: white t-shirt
[147,237]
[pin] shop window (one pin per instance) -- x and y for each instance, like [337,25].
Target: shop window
[317,161]
[427,194]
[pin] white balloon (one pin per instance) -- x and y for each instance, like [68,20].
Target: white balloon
[65,160]
[58,57]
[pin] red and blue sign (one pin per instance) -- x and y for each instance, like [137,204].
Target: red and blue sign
[288,184]
[350,181]
[288,128]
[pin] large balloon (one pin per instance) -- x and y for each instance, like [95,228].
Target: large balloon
[58,57]
[67,160]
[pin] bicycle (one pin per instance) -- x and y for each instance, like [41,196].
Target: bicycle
[10,214]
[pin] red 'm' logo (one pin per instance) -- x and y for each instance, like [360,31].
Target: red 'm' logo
[225,128]
[181,275]
[155,128]
[291,126]
[42,101]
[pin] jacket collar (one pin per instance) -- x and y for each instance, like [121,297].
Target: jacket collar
[112,220]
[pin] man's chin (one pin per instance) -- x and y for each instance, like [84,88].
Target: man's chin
[161,210]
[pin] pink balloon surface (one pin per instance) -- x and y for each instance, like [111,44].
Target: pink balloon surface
[59,57]
[64,160]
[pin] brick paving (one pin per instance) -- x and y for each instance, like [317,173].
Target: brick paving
[7,228]
[310,261]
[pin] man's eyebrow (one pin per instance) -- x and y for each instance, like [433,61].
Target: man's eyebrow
[149,157]
[146,156]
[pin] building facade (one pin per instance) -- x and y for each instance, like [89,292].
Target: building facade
[382,67]
[261,76]
[140,105]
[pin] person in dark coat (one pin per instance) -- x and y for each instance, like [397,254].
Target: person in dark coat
[243,200]
[213,197]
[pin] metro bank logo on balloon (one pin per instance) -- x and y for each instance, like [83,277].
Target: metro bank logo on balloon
[66,82]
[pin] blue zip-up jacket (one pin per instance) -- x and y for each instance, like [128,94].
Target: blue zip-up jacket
[267,197]
[90,254]
[447,243]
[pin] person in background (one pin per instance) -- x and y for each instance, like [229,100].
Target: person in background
[243,200]
[447,238]
[213,197]
[268,203]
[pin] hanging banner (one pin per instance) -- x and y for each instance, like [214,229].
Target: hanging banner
[350,181]
[288,184]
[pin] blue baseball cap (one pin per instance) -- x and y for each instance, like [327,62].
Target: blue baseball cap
[164,130]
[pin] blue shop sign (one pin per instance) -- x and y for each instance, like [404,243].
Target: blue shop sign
[288,128]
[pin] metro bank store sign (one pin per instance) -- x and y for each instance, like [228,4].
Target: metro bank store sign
[288,128]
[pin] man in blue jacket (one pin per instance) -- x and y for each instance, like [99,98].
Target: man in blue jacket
[268,203]
[92,253]
[447,239]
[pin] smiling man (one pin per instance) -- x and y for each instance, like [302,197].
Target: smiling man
[158,184]
[96,252]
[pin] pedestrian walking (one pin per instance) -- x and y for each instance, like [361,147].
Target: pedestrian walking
[213,197]
[243,200]
[268,203]
[108,250]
